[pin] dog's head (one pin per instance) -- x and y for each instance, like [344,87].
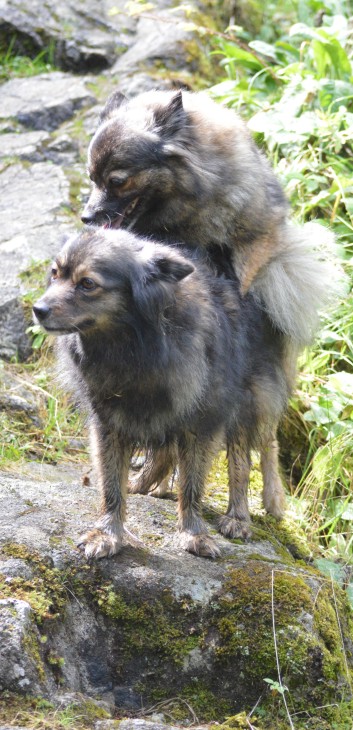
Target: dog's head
[135,159]
[101,278]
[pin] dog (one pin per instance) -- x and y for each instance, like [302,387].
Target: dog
[178,167]
[165,355]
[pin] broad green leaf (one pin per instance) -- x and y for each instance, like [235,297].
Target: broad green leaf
[331,59]
[288,48]
[264,48]
[244,58]
[305,31]
[333,570]
[322,414]
[342,382]
[336,429]
[348,513]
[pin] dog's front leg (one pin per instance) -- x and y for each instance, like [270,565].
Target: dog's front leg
[111,459]
[195,459]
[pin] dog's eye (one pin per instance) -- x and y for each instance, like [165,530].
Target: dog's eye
[54,274]
[87,284]
[118,182]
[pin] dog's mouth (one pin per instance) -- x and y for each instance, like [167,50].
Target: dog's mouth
[118,221]
[69,329]
[57,330]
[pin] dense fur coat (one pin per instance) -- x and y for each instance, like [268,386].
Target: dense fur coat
[163,353]
[181,168]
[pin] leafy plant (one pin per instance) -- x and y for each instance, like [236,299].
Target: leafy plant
[276,687]
[296,89]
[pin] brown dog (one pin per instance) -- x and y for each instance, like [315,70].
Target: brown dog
[182,169]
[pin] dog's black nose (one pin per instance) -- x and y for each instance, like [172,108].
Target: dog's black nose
[88,215]
[41,310]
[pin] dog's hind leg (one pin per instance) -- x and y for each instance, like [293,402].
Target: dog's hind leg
[194,463]
[111,459]
[273,492]
[155,473]
[236,521]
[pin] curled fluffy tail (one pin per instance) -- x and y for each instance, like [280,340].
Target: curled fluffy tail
[300,281]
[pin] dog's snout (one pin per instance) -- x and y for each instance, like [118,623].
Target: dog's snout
[41,310]
[88,215]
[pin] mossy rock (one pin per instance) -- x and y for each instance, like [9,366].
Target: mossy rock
[157,625]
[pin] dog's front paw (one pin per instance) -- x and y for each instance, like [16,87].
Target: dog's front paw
[232,527]
[99,544]
[203,544]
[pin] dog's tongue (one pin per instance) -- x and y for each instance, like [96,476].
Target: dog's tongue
[116,222]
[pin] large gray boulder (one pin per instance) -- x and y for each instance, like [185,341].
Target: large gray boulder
[86,36]
[155,623]
[45,101]
[163,35]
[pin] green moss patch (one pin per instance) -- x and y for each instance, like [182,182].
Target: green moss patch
[44,591]
[38,713]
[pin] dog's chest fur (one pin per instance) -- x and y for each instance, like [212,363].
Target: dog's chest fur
[150,392]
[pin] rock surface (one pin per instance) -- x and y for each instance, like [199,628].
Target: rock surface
[155,623]
[33,220]
[45,101]
[16,631]
[81,34]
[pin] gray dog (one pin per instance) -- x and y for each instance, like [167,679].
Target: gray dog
[163,353]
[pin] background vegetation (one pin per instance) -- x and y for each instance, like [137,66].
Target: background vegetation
[294,84]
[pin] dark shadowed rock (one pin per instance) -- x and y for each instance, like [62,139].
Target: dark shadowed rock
[82,34]
[14,341]
[17,398]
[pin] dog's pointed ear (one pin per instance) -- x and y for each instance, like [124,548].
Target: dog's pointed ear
[170,268]
[170,118]
[153,291]
[114,101]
